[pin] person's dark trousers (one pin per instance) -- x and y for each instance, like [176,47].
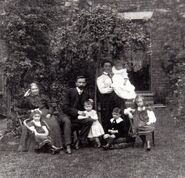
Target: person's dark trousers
[107,105]
[65,123]
[83,125]
[118,102]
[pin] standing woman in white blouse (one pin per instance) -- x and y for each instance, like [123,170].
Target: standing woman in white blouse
[108,98]
[104,83]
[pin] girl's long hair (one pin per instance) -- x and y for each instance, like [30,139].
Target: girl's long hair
[137,98]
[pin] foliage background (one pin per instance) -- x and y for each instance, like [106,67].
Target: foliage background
[52,44]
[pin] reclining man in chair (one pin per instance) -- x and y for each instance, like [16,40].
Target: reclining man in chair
[73,105]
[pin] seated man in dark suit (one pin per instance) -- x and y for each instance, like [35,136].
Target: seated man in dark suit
[73,105]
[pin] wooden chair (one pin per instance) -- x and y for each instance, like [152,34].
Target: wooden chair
[139,133]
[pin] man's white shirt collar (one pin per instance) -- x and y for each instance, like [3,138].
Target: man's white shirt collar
[117,120]
[141,108]
[105,73]
[79,91]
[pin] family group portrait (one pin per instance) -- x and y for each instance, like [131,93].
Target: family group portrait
[92,88]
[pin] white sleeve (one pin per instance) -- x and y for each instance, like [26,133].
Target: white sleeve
[127,111]
[82,117]
[94,115]
[31,128]
[125,92]
[103,88]
[46,130]
[125,74]
[151,116]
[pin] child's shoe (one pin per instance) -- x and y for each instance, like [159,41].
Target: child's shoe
[107,146]
[109,143]
[56,150]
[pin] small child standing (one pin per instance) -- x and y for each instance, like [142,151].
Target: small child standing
[121,83]
[143,120]
[96,130]
[118,129]
[40,132]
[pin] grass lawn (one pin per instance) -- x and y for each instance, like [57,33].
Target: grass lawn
[166,159]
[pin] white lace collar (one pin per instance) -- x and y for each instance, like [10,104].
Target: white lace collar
[117,120]
[38,124]
[115,71]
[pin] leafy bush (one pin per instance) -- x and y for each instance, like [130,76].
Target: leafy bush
[51,44]
[169,26]
[42,51]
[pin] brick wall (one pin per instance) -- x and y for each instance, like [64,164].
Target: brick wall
[159,79]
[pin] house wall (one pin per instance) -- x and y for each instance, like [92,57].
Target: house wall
[159,79]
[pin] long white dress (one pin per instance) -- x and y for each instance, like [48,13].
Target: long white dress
[122,89]
[96,128]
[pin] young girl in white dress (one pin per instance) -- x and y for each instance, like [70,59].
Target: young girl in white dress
[96,130]
[121,83]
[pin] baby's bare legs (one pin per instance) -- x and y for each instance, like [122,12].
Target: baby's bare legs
[97,140]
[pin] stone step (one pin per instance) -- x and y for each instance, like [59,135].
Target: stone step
[145,93]
[148,97]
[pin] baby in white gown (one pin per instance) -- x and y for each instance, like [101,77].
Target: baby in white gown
[121,83]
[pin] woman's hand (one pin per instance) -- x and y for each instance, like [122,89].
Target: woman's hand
[48,116]
[130,115]
[148,123]
[27,93]
[129,112]
[81,113]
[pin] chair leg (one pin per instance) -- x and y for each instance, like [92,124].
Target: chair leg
[133,142]
[153,138]
[143,138]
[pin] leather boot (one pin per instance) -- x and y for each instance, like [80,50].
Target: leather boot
[109,143]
